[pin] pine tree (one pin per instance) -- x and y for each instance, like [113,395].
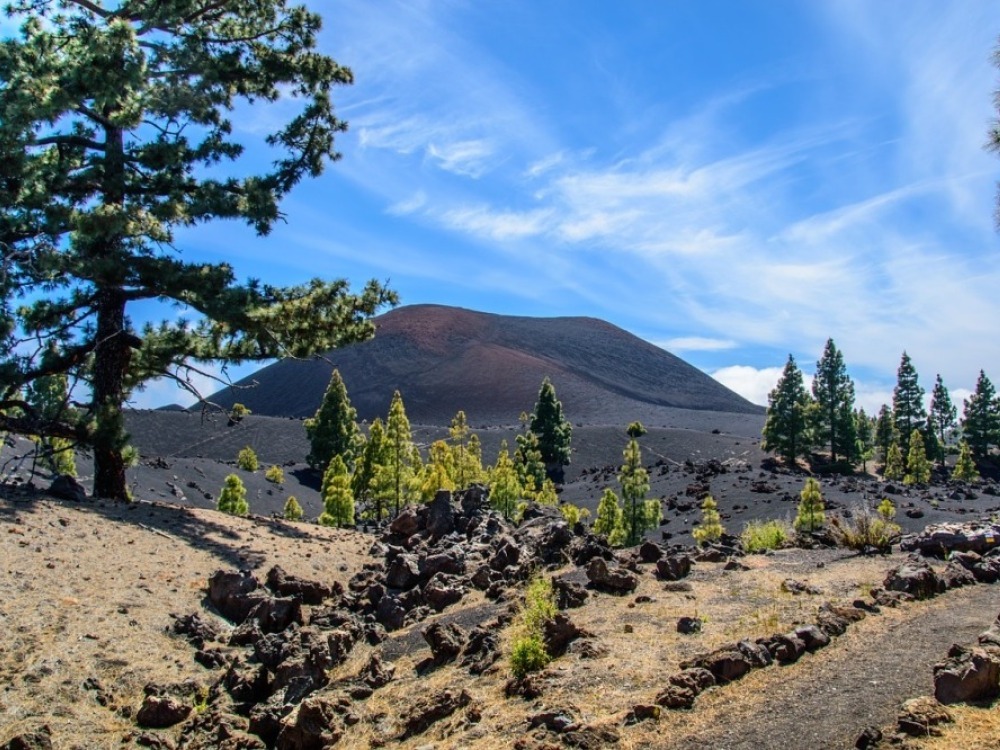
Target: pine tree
[864,431]
[505,489]
[473,471]
[399,451]
[810,516]
[333,431]
[368,467]
[115,131]
[458,433]
[918,468]
[786,425]
[528,460]
[437,473]
[833,393]
[634,480]
[48,398]
[942,417]
[554,431]
[233,498]
[338,500]
[965,467]
[885,433]
[610,520]
[981,418]
[710,529]
[907,403]
[894,467]
[246,459]
[292,510]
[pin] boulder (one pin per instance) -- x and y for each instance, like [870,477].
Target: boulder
[316,725]
[376,673]
[726,664]
[673,568]
[650,552]
[441,591]
[159,711]
[955,576]
[689,625]
[482,651]
[66,487]
[308,592]
[428,711]
[915,578]
[246,683]
[273,614]
[446,641]
[36,739]
[440,515]
[507,554]
[568,594]
[585,548]
[451,562]
[613,580]
[195,628]
[939,539]
[969,674]
[233,593]
[785,649]
[403,572]
[641,712]
[921,717]
[390,612]
[559,632]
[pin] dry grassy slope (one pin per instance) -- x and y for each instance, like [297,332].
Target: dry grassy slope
[86,592]
[444,359]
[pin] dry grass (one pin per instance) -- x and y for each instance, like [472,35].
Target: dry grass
[975,728]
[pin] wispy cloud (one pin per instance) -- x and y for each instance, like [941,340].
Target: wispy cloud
[697,344]
[497,225]
[469,158]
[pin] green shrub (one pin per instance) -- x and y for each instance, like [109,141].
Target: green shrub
[59,456]
[528,655]
[867,530]
[233,498]
[760,536]
[275,475]
[810,515]
[130,455]
[710,529]
[293,511]
[246,459]
[573,513]
[238,412]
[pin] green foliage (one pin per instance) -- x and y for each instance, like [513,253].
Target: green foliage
[610,519]
[467,453]
[885,434]
[907,404]
[965,467]
[528,460]
[399,459]
[130,456]
[238,412]
[528,653]
[116,130]
[981,418]
[760,536]
[864,438]
[918,468]
[810,516]
[275,474]
[866,530]
[635,430]
[554,431]
[573,513]
[233,498]
[59,457]
[47,398]
[942,417]
[369,468]
[505,489]
[292,511]
[833,417]
[338,501]
[333,431]
[894,469]
[634,480]
[246,459]
[786,424]
[710,529]
[438,471]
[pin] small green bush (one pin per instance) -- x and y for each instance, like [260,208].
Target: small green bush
[528,655]
[810,515]
[573,513]
[233,498]
[275,475]
[293,511]
[246,459]
[867,530]
[710,529]
[760,536]
[238,412]
[130,455]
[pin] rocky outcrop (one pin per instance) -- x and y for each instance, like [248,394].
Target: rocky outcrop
[610,578]
[970,673]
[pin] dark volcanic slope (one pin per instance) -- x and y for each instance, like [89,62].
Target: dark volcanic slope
[444,359]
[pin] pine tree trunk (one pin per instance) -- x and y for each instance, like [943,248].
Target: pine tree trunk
[111,359]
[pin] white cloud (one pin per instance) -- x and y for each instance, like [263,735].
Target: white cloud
[497,225]
[697,344]
[469,158]
[751,383]
[409,205]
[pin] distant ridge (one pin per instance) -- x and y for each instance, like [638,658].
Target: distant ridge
[444,359]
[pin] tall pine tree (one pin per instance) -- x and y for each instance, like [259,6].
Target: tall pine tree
[981,418]
[553,430]
[786,425]
[907,404]
[885,433]
[942,417]
[833,392]
[399,459]
[334,429]
[634,480]
[115,131]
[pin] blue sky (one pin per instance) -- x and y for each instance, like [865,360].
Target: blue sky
[734,181]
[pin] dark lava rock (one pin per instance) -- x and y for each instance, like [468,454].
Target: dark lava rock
[446,641]
[689,625]
[428,711]
[568,594]
[921,717]
[231,593]
[673,568]
[482,651]
[650,552]
[65,487]
[308,592]
[317,725]
[969,674]
[612,580]
[917,579]
[162,711]
[442,591]
[559,632]
[37,739]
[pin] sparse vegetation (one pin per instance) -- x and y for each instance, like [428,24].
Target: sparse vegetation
[810,515]
[573,513]
[275,474]
[867,530]
[710,529]
[293,511]
[338,500]
[246,459]
[333,430]
[610,519]
[918,467]
[528,652]
[233,498]
[965,466]
[760,536]
[553,430]
[239,412]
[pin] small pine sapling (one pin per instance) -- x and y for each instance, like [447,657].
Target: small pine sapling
[338,500]
[293,511]
[246,459]
[610,519]
[573,513]
[810,515]
[893,463]
[918,467]
[238,412]
[965,466]
[233,498]
[275,475]
[710,529]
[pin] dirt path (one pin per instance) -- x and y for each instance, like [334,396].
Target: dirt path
[827,699]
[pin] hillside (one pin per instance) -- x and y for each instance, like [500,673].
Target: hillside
[444,359]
